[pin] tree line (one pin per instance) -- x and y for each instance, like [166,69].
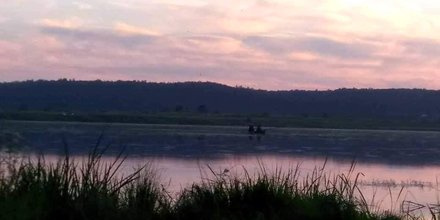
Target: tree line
[207,97]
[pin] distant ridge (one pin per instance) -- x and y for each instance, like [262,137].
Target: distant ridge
[139,96]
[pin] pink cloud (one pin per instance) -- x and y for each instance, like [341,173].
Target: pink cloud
[62,48]
[10,54]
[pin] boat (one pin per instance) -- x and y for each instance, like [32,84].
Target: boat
[258,131]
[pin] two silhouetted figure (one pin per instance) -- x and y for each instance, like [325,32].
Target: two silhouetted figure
[259,130]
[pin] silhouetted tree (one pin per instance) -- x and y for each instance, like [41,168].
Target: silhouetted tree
[202,109]
[23,107]
[178,108]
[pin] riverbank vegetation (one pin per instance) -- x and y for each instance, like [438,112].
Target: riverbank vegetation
[92,189]
[227,119]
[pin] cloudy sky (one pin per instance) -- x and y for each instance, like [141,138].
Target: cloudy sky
[269,44]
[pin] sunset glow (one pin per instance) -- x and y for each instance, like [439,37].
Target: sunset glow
[277,44]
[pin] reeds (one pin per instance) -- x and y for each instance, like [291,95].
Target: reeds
[88,190]
[96,190]
[277,195]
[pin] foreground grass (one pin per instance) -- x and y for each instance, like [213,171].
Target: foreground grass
[69,191]
[281,195]
[94,190]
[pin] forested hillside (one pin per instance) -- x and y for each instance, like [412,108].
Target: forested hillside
[136,96]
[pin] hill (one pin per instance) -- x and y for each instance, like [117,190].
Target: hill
[137,96]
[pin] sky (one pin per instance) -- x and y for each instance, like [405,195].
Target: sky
[275,45]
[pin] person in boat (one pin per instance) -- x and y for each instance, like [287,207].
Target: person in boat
[260,130]
[251,129]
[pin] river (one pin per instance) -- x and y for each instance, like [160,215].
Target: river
[387,160]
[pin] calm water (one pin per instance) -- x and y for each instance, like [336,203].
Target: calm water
[388,160]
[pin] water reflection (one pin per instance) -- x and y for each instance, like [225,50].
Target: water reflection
[381,185]
[387,147]
[388,160]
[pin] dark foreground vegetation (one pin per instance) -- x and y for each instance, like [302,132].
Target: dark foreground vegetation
[93,190]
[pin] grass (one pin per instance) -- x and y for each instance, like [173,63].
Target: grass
[281,195]
[95,190]
[68,190]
